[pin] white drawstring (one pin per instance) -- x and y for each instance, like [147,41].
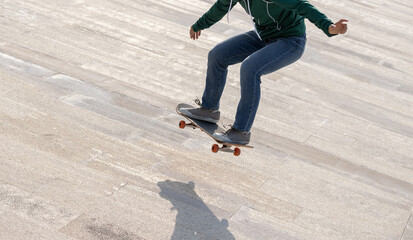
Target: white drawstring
[255,28]
[229,9]
[249,11]
[268,12]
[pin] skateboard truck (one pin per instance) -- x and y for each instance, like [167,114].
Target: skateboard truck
[183,124]
[226,148]
[215,148]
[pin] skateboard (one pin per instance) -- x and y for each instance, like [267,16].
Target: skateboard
[209,129]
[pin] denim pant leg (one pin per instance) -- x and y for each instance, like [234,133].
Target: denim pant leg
[272,57]
[229,52]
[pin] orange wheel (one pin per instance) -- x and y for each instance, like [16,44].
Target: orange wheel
[182,124]
[215,148]
[237,151]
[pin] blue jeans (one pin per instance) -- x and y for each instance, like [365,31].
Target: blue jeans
[258,58]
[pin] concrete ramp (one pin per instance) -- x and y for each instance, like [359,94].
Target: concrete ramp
[90,146]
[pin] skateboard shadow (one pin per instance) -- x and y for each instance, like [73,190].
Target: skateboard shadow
[194,219]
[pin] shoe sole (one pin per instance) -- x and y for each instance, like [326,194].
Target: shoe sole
[223,140]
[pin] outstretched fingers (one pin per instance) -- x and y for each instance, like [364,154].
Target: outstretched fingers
[197,34]
[343,25]
[194,35]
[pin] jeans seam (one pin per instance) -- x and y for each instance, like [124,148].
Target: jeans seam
[250,106]
[216,90]
[289,50]
[215,97]
[302,46]
[218,85]
[249,53]
[255,79]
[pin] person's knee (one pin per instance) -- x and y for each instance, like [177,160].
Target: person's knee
[249,72]
[215,55]
[248,68]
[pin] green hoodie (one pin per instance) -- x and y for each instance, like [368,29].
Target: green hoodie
[272,18]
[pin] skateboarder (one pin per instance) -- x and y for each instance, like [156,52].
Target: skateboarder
[278,40]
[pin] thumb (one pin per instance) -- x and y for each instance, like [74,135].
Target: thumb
[333,29]
[343,21]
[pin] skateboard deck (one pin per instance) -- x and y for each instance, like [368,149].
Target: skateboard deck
[209,129]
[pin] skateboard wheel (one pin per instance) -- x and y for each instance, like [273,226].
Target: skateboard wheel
[237,151]
[215,148]
[182,124]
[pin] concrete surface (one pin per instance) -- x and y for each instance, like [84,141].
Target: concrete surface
[90,146]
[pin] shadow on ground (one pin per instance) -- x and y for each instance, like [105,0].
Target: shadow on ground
[194,219]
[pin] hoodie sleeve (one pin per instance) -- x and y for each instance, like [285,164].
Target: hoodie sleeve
[214,14]
[305,9]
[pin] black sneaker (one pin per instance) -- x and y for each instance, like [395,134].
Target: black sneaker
[201,113]
[233,135]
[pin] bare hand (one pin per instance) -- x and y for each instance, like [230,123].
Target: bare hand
[194,35]
[339,27]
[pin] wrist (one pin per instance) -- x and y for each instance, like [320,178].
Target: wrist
[195,28]
[328,32]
